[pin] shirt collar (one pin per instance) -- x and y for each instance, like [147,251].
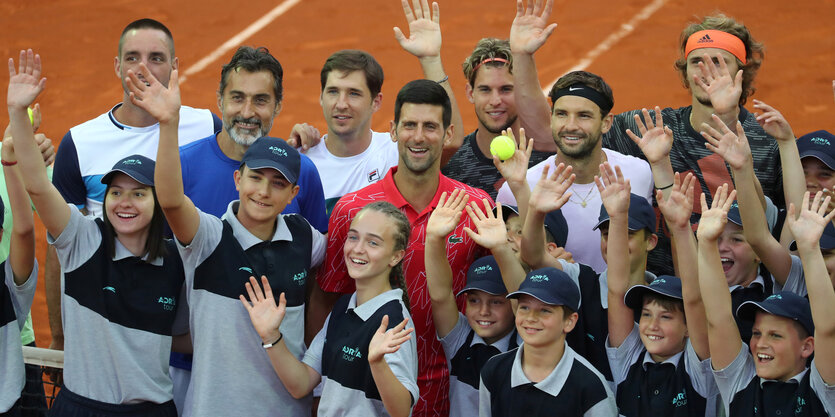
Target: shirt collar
[122,252]
[793,380]
[758,280]
[554,382]
[394,196]
[245,237]
[368,308]
[501,344]
[604,286]
[672,359]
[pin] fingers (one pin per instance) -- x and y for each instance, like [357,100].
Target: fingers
[12,72]
[425,9]
[703,201]
[436,13]
[384,324]
[36,117]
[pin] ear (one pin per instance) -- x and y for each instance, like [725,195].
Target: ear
[376,103]
[237,176]
[652,241]
[550,247]
[807,348]
[393,131]
[277,110]
[396,257]
[293,194]
[117,66]
[448,134]
[570,322]
[220,103]
[607,122]
[175,63]
[469,89]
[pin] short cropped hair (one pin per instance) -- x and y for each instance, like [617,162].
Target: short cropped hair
[754,51]
[147,24]
[423,92]
[487,48]
[254,60]
[668,303]
[593,81]
[350,60]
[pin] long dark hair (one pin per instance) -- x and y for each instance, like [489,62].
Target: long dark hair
[154,244]
[402,230]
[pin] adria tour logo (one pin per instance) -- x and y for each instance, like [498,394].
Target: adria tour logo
[278,151]
[539,278]
[349,353]
[820,141]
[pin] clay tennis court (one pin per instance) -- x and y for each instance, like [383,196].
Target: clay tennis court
[631,43]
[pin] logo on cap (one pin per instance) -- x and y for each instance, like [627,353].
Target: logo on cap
[705,39]
[574,88]
[278,151]
[482,269]
[819,141]
[658,281]
[775,297]
[131,162]
[538,278]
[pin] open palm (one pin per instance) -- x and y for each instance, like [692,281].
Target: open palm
[26,83]
[265,315]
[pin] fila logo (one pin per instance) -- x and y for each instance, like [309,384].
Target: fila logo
[820,141]
[453,239]
[483,269]
[374,176]
[278,151]
[539,278]
[705,39]
[349,354]
[111,289]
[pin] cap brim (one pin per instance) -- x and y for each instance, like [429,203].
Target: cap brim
[488,287]
[634,297]
[630,225]
[826,159]
[138,178]
[541,296]
[266,163]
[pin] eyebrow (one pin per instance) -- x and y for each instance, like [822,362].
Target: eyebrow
[370,234]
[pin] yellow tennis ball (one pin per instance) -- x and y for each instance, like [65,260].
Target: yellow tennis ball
[503,147]
[31,116]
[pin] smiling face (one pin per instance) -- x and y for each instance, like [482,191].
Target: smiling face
[493,98]
[693,69]
[779,352]
[348,104]
[577,126]
[818,175]
[639,244]
[369,249]
[148,46]
[739,261]
[514,233]
[129,206]
[248,105]
[663,331]
[540,324]
[264,193]
[490,316]
[420,137]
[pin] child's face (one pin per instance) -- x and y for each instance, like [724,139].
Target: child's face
[490,316]
[818,175]
[640,243]
[663,332]
[777,349]
[542,324]
[514,233]
[369,246]
[264,193]
[129,206]
[739,261]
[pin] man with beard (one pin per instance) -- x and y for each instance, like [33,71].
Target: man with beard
[579,118]
[249,99]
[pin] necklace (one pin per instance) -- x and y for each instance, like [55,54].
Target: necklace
[584,201]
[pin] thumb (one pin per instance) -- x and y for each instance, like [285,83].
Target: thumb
[398,34]
[384,324]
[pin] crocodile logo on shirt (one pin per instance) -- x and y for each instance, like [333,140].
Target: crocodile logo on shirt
[453,239]
[349,354]
[109,288]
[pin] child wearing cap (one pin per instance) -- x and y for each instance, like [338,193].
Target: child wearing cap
[486,328]
[219,256]
[771,377]
[660,364]
[544,374]
[122,281]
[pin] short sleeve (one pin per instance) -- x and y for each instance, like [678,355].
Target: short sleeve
[621,358]
[205,241]
[453,341]
[796,280]
[77,242]
[735,377]
[318,248]
[484,405]
[824,391]
[22,295]
[313,355]
[701,375]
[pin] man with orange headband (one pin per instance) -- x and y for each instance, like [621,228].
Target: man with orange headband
[718,64]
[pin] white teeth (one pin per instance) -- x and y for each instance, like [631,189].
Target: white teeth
[726,260]
[484,323]
[764,356]
[358,261]
[418,150]
[651,337]
[126,216]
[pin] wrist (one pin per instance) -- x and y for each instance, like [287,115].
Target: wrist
[272,341]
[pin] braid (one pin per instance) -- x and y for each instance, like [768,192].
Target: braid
[401,240]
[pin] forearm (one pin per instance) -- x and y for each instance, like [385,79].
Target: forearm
[295,375]
[794,181]
[168,176]
[531,105]
[52,288]
[723,335]
[396,398]
[821,294]
[512,272]
[620,316]
[439,284]
[27,153]
[522,193]
[22,246]
[663,176]
[533,239]
[691,295]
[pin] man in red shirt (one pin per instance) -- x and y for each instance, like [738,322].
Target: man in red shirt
[421,126]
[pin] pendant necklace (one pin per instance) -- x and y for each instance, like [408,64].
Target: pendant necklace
[584,201]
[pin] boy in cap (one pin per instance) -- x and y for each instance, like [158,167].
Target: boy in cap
[219,256]
[485,329]
[545,374]
[772,379]
[660,364]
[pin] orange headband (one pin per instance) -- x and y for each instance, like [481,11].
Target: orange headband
[490,60]
[716,39]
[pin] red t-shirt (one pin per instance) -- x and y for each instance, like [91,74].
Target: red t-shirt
[433,378]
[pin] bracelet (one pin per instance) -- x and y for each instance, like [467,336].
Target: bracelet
[7,163]
[269,345]
[443,80]
[664,188]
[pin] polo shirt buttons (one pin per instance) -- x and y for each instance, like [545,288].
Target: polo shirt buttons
[778,412]
[655,392]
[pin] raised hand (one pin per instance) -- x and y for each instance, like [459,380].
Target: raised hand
[713,220]
[153,97]
[515,169]
[530,28]
[732,147]
[265,315]
[723,88]
[614,190]
[387,341]
[773,122]
[656,140]
[444,219]
[304,135]
[26,83]
[551,193]
[813,219]
[678,207]
[424,29]
[492,231]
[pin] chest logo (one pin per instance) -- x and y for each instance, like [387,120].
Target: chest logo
[453,239]
[680,400]
[373,176]
[349,354]
[167,303]
[109,288]
[245,269]
[300,278]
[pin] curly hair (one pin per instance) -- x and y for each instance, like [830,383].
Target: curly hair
[488,48]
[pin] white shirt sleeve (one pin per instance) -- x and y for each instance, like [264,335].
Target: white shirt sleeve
[825,392]
[320,244]
[484,406]
[735,377]
[453,341]
[701,375]
[796,280]
[624,356]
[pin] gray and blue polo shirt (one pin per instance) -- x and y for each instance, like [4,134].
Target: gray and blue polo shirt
[15,302]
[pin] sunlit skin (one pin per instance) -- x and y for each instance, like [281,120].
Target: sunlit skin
[693,60]
[514,233]
[493,98]
[739,261]
[778,351]
[129,207]
[640,243]
[663,332]
[264,193]
[490,316]
[145,46]
[577,126]
[540,324]
[369,246]
[248,105]
[347,104]
[420,136]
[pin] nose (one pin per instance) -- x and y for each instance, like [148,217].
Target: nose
[495,98]
[248,109]
[484,309]
[811,184]
[342,101]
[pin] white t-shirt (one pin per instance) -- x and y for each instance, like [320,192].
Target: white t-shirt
[583,242]
[343,175]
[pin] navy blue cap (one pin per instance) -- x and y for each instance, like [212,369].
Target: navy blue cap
[818,144]
[827,240]
[506,211]
[641,214]
[666,285]
[138,167]
[556,225]
[267,152]
[733,214]
[784,304]
[484,275]
[551,286]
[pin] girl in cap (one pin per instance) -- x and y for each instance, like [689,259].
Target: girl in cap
[122,280]
[365,349]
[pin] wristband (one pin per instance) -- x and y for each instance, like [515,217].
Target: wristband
[663,188]
[7,163]
[443,80]
[269,345]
